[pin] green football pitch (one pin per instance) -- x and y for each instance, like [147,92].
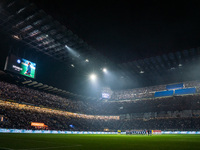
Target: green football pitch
[98,142]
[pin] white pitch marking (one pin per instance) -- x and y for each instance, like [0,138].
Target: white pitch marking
[48,147]
[5,148]
[31,140]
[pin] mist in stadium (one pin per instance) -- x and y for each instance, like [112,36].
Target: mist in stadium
[99,75]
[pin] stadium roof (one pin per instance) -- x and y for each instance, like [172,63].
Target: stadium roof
[44,87]
[168,68]
[25,22]
[32,26]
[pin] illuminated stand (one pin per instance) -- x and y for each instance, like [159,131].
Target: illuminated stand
[106,93]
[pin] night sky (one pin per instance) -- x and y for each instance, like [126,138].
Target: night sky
[124,31]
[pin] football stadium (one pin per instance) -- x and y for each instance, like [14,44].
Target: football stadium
[99,76]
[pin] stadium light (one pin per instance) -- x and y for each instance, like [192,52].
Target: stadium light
[18,61]
[93,77]
[16,37]
[104,70]
[141,71]
[72,51]
[72,65]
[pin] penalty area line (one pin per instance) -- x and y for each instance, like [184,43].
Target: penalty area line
[5,148]
[47,147]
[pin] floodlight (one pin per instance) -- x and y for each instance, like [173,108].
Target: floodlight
[72,65]
[93,77]
[72,51]
[104,70]
[16,37]
[18,61]
[141,71]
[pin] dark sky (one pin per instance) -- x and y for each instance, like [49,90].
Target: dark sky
[125,31]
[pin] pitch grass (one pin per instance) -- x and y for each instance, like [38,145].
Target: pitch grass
[98,142]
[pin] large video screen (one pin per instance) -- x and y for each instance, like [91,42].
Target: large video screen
[105,95]
[20,66]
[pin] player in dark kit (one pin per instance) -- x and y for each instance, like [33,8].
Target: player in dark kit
[148,132]
[28,71]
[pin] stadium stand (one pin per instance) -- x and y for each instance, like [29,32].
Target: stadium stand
[20,116]
[22,105]
[149,92]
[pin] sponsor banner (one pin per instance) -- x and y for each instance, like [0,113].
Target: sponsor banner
[123,132]
[5,130]
[61,132]
[180,132]
[27,131]
[54,131]
[37,131]
[156,132]
[15,131]
[2,130]
[46,131]
[198,132]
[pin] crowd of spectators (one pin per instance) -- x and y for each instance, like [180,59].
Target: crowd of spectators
[147,92]
[181,124]
[30,96]
[192,84]
[20,117]
[23,94]
[175,103]
[62,111]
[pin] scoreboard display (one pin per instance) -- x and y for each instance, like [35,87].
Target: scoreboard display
[105,95]
[20,66]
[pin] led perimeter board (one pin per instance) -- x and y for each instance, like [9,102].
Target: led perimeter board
[20,66]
